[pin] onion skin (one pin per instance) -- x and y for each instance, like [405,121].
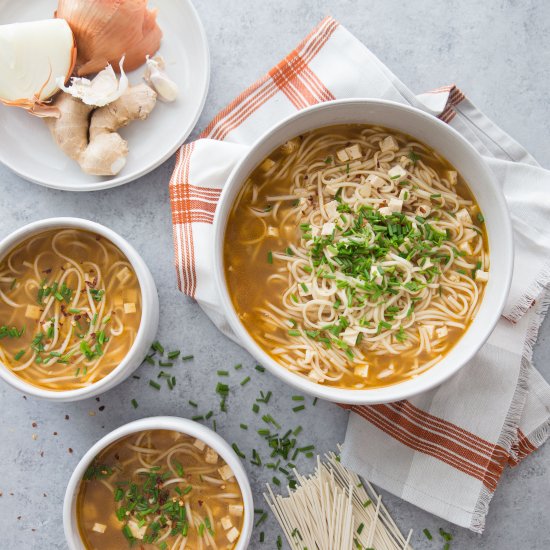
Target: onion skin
[105,30]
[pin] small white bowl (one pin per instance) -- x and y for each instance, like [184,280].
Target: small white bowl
[188,427]
[445,140]
[149,311]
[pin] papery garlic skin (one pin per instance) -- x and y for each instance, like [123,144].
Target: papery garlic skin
[103,89]
[156,77]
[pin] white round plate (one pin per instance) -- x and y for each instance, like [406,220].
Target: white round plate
[25,142]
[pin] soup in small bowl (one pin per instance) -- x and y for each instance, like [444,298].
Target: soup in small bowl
[159,483]
[363,251]
[78,309]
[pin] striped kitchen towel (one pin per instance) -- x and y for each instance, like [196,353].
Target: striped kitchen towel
[444,450]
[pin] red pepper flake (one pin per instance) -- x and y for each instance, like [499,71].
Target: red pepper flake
[34,424]
[102,408]
[70,451]
[66,417]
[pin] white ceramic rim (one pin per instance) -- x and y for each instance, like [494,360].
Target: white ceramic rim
[131,176]
[183,425]
[149,310]
[396,392]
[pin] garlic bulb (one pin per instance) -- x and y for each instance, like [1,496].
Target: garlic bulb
[156,77]
[103,89]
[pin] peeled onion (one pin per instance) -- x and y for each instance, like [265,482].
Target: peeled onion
[105,30]
[33,56]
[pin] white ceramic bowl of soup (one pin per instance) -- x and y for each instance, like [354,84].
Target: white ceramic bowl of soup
[148,324]
[182,425]
[481,182]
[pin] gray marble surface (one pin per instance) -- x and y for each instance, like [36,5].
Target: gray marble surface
[498,51]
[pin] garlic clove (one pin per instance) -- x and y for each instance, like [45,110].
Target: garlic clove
[156,77]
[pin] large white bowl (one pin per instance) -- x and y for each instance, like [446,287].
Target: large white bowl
[149,311]
[182,425]
[481,181]
[27,147]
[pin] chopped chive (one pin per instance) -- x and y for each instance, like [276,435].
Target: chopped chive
[157,346]
[259,368]
[315,401]
[245,381]
[74,310]
[255,407]
[427,534]
[297,398]
[223,373]
[174,354]
[19,354]
[270,257]
[244,426]
[187,357]
[149,359]
[208,415]
[193,404]
[299,408]
[197,417]
[238,367]
[238,451]
[263,517]
[154,384]
[134,403]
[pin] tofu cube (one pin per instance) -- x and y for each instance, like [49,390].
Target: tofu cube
[129,307]
[463,216]
[200,445]
[376,181]
[404,195]
[397,173]
[365,190]
[395,205]
[342,155]
[385,211]
[465,247]
[124,274]
[137,531]
[225,472]
[236,509]
[469,234]
[328,228]
[376,275]
[32,312]
[361,370]
[267,165]
[452,177]
[99,528]
[272,231]
[232,534]
[441,332]
[226,522]
[314,375]
[349,336]
[423,210]
[389,144]
[354,152]
[331,208]
[482,276]
[211,456]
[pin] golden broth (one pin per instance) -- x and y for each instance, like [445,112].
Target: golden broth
[350,308]
[159,486]
[70,308]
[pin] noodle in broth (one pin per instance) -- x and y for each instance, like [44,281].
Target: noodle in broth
[356,256]
[70,309]
[159,489]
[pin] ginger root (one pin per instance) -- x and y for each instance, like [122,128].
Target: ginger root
[93,141]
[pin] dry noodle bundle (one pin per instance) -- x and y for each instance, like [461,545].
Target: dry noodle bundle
[332,509]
